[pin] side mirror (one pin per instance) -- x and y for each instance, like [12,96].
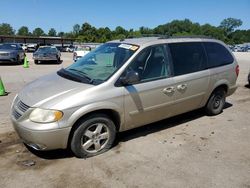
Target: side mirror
[130,78]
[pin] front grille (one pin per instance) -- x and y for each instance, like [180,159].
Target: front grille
[4,54]
[22,107]
[16,114]
[19,108]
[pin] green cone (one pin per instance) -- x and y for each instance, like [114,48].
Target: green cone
[26,62]
[2,90]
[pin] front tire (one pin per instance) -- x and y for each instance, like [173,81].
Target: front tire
[18,60]
[216,102]
[249,79]
[94,135]
[36,62]
[58,60]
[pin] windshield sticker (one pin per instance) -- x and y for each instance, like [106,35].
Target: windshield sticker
[128,47]
[134,48]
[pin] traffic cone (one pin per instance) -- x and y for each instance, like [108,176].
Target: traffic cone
[26,62]
[2,90]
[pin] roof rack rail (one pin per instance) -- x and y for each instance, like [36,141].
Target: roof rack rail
[145,35]
[187,36]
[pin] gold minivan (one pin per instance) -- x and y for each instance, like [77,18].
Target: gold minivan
[121,85]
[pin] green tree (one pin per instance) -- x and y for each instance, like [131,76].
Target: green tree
[213,31]
[240,36]
[146,31]
[52,32]
[60,34]
[178,26]
[38,32]
[230,24]
[76,29]
[120,31]
[87,33]
[6,29]
[23,31]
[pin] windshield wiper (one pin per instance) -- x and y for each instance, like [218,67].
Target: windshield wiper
[82,74]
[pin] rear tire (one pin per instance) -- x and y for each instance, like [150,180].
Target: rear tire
[216,102]
[94,135]
[36,62]
[249,79]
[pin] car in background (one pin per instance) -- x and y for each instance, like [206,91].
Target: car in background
[80,51]
[60,48]
[11,52]
[248,77]
[70,48]
[31,47]
[24,47]
[47,53]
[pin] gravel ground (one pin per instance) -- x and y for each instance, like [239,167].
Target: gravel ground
[190,150]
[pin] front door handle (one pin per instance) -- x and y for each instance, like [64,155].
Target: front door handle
[182,87]
[168,90]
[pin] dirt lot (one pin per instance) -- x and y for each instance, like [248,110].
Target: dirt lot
[191,150]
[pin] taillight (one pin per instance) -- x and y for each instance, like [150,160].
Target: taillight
[237,70]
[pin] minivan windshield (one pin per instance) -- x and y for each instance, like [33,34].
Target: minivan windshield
[98,65]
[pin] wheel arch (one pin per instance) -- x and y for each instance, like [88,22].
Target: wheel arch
[111,113]
[218,86]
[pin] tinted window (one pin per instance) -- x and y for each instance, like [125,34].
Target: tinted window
[152,63]
[187,57]
[217,54]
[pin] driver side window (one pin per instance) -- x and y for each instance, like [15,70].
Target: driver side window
[151,64]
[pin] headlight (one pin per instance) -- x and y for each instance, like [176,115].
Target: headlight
[39,115]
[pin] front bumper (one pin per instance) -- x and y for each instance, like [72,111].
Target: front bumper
[40,136]
[42,139]
[45,58]
[8,59]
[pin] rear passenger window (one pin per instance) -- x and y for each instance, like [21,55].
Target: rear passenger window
[187,57]
[217,55]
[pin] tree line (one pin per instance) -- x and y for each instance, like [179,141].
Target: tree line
[227,31]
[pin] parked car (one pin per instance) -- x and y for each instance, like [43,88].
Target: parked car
[248,77]
[31,47]
[80,51]
[24,47]
[240,49]
[121,85]
[11,52]
[47,53]
[70,48]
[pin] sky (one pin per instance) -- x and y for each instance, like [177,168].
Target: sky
[130,14]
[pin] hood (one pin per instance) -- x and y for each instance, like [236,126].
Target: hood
[49,87]
[7,51]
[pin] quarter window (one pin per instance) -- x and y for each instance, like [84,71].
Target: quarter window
[217,55]
[187,57]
